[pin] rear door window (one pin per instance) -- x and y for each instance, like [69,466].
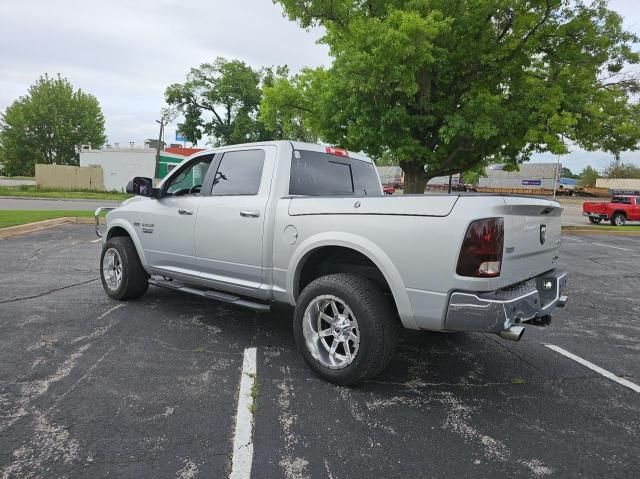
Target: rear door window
[314,173]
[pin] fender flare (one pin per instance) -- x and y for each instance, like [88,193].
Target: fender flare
[125,225]
[363,246]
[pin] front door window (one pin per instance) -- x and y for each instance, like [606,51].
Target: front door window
[189,179]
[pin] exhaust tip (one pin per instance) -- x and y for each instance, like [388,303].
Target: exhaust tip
[514,333]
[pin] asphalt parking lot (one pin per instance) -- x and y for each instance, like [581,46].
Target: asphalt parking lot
[91,388]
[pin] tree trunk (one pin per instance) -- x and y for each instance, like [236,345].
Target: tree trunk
[415,179]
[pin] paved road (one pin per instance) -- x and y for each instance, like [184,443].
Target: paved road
[12,182]
[91,387]
[50,204]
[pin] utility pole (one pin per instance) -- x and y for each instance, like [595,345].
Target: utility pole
[555,177]
[161,121]
[167,115]
[450,180]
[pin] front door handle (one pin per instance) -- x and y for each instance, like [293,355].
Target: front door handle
[185,212]
[250,214]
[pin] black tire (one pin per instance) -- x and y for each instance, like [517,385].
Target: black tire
[595,221]
[618,219]
[376,324]
[134,280]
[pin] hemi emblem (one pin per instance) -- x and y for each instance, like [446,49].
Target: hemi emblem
[543,233]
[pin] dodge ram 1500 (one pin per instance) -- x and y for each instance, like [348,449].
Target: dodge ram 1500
[309,225]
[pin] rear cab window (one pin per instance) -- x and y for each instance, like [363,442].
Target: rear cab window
[314,173]
[621,199]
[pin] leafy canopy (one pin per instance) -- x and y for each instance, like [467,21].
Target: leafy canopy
[223,100]
[588,177]
[447,85]
[622,170]
[47,125]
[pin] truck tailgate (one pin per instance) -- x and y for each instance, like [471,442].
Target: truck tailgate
[593,207]
[531,238]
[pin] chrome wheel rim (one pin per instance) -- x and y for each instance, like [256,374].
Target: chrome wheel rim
[619,221]
[112,269]
[331,332]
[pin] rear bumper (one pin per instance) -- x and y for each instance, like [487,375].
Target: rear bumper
[602,216]
[498,311]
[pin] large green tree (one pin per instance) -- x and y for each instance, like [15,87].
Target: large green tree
[47,125]
[445,85]
[222,100]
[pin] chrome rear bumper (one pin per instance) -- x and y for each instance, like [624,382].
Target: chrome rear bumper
[503,311]
[602,216]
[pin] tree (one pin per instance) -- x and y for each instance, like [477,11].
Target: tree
[588,177]
[47,125]
[622,170]
[447,85]
[286,107]
[567,173]
[222,100]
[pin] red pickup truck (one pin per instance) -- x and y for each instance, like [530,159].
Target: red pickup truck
[619,210]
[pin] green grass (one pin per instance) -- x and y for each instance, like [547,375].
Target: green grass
[255,391]
[35,192]
[21,217]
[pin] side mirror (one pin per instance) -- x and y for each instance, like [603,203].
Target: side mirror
[142,186]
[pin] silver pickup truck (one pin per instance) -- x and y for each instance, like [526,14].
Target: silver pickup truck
[308,225]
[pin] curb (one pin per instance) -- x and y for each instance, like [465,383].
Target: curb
[40,225]
[578,231]
[44,198]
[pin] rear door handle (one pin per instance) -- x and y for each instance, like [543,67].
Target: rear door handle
[250,213]
[185,212]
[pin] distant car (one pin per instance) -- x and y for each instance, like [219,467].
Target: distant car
[388,190]
[619,210]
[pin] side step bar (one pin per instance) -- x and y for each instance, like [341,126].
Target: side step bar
[218,296]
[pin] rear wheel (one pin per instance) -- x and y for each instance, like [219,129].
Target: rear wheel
[596,221]
[122,274]
[345,327]
[618,219]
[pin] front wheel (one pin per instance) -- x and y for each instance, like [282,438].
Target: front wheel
[618,219]
[345,327]
[595,221]
[122,274]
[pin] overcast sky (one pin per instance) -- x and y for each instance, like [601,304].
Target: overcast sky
[127,52]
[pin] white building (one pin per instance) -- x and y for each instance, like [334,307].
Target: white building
[120,165]
[529,176]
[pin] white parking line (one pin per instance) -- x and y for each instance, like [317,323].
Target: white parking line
[243,439]
[595,368]
[614,247]
[96,240]
[573,239]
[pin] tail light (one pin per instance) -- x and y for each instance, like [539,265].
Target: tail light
[481,253]
[332,150]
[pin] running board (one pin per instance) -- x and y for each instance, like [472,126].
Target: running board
[216,295]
